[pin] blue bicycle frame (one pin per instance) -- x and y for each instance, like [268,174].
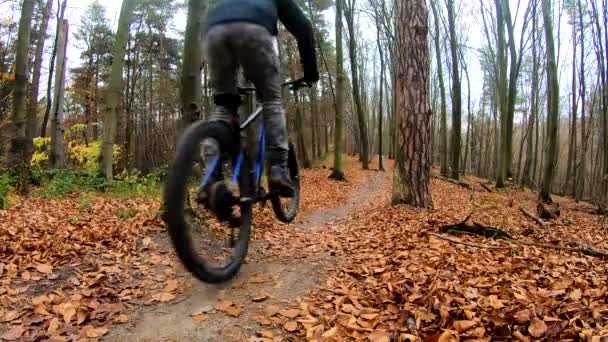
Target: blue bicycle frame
[259,162]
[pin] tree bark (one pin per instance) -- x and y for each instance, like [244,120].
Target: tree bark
[580,190]
[381,95]
[115,88]
[502,162]
[443,130]
[527,176]
[349,15]
[570,184]
[456,94]
[552,106]
[411,178]
[191,81]
[57,157]
[38,58]
[16,156]
[337,171]
[47,110]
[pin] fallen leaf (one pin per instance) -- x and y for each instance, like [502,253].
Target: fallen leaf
[200,317]
[165,297]
[265,333]
[370,316]
[68,311]
[81,316]
[462,326]
[379,336]
[522,316]
[259,298]
[13,333]
[40,300]
[122,318]
[330,333]
[289,313]
[53,325]
[291,326]
[44,268]
[262,321]
[93,332]
[271,310]
[171,285]
[26,275]
[146,241]
[11,316]
[537,327]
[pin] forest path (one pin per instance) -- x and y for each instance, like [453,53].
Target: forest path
[264,284]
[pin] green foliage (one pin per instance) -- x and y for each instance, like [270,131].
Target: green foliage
[126,213]
[58,183]
[62,182]
[87,155]
[8,182]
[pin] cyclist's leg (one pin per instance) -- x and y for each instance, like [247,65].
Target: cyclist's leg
[256,53]
[223,80]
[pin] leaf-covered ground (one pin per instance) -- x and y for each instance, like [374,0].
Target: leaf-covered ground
[82,267]
[73,268]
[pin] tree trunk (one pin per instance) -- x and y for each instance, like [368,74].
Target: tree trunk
[470,112]
[443,130]
[501,62]
[191,81]
[513,75]
[456,94]
[570,184]
[552,106]
[47,110]
[349,15]
[17,156]
[299,126]
[57,157]
[411,177]
[381,95]
[580,189]
[527,176]
[38,58]
[115,88]
[337,171]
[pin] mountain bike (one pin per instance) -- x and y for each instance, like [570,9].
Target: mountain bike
[227,216]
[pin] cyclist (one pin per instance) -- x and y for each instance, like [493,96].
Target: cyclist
[240,34]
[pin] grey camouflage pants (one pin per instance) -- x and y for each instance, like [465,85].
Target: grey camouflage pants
[250,46]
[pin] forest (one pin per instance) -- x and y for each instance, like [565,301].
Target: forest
[424,111]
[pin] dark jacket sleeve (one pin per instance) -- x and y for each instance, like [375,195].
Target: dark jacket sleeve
[300,27]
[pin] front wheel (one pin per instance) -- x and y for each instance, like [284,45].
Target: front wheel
[286,209]
[212,250]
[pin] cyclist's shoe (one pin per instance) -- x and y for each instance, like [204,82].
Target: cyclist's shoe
[279,181]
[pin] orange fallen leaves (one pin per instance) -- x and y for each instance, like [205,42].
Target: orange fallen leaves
[13,334]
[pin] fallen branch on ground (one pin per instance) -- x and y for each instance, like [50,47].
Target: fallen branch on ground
[530,215]
[453,181]
[496,233]
[487,188]
[446,238]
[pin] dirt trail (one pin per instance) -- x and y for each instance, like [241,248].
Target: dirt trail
[280,279]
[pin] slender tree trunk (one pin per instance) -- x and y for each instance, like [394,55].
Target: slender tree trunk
[115,88]
[527,176]
[411,177]
[47,111]
[512,96]
[191,82]
[443,130]
[470,112]
[57,157]
[299,127]
[502,162]
[38,58]
[338,139]
[552,106]
[17,156]
[456,94]
[580,190]
[349,15]
[381,95]
[570,185]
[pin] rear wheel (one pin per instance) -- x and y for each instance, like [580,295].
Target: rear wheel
[286,209]
[212,250]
